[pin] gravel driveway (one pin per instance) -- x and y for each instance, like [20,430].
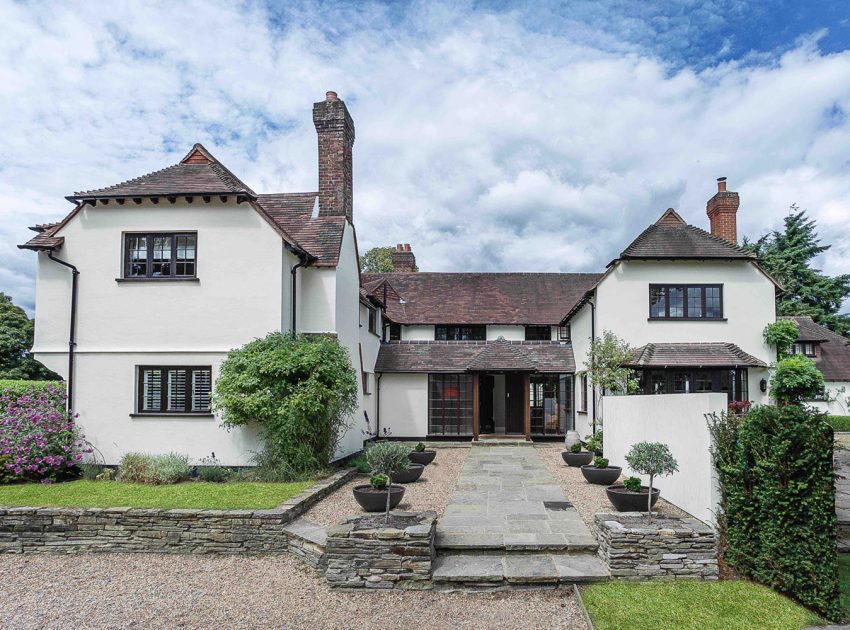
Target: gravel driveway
[432,491]
[161,591]
[588,498]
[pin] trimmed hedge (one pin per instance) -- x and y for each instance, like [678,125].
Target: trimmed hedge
[839,423]
[778,523]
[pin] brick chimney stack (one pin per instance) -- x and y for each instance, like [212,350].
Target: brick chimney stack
[722,210]
[403,258]
[336,139]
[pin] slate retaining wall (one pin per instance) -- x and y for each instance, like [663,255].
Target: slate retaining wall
[124,530]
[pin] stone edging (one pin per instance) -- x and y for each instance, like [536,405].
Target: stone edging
[128,530]
[585,615]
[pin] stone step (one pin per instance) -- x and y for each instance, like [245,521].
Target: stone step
[516,542]
[501,441]
[499,570]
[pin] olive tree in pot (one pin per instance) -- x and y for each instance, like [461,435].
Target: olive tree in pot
[651,458]
[387,459]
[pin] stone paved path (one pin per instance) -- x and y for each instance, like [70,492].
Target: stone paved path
[506,499]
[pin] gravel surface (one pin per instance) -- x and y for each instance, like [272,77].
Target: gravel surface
[588,498]
[432,491]
[153,591]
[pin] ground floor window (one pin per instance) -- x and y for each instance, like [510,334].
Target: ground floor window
[731,381]
[550,396]
[174,389]
[450,398]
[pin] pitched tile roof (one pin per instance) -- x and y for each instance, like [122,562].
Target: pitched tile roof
[199,172]
[834,359]
[671,237]
[481,298]
[45,238]
[321,236]
[701,354]
[463,356]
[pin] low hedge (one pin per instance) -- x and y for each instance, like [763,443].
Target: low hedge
[839,423]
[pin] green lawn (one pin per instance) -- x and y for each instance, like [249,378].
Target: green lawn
[844,576]
[692,605]
[839,423]
[213,496]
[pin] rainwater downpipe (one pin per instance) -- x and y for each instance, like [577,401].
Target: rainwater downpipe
[301,263]
[593,337]
[72,336]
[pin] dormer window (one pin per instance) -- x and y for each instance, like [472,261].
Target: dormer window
[460,333]
[806,348]
[686,301]
[160,255]
[538,333]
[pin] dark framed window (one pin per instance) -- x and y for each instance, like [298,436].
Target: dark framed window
[583,393]
[538,333]
[448,332]
[564,333]
[450,404]
[160,255]
[684,301]
[167,389]
[806,348]
[373,320]
[549,397]
[730,381]
[395,332]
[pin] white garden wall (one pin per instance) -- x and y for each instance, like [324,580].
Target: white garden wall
[677,420]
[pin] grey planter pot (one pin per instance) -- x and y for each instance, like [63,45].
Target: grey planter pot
[413,472]
[577,459]
[627,501]
[601,476]
[373,500]
[424,457]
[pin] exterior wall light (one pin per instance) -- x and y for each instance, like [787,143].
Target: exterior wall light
[763,385]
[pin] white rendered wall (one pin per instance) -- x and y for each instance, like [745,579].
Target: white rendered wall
[404,404]
[370,343]
[677,420]
[417,333]
[580,334]
[317,300]
[510,333]
[838,399]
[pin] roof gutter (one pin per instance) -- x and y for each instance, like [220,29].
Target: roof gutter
[72,336]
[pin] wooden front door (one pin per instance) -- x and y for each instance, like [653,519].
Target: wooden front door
[485,398]
[514,404]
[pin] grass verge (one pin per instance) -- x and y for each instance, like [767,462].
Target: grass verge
[210,496]
[844,579]
[692,605]
[839,423]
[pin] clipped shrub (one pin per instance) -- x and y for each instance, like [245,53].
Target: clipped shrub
[420,448]
[600,462]
[379,482]
[796,378]
[300,389]
[777,521]
[576,448]
[36,435]
[633,484]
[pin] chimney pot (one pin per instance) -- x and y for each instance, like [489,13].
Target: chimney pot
[721,184]
[331,96]
[722,211]
[407,247]
[399,247]
[403,258]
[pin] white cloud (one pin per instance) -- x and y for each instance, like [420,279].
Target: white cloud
[484,144]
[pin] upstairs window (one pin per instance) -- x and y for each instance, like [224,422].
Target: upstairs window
[806,348]
[174,389]
[160,255]
[683,301]
[395,332]
[564,333]
[373,321]
[538,333]
[460,333]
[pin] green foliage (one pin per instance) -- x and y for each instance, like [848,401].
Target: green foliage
[839,423]
[781,334]
[301,389]
[379,482]
[651,458]
[576,448]
[600,462]
[633,484]
[604,364]
[420,448]
[795,378]
[7,473]
[787,255]
[844,576]
[89,472]
[778,523]
[388,458]
[214,474]
[360,464]
[594,443]
[154,469]
[17,387]
[16,336]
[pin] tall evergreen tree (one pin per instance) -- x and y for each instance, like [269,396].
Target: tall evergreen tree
[787,255]
[16,334]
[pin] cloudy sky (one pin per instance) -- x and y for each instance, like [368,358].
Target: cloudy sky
[490,136]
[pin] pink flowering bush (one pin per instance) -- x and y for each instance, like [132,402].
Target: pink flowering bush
[38,441]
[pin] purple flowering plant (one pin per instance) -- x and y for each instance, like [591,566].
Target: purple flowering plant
[38,441]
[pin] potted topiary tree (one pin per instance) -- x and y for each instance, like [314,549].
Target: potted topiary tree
[421,455]
[630,496]
[385,459]
[600,473]
[651,458]
[576,457]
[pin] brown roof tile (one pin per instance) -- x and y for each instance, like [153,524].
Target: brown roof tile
[834,359]
[482,298]
[463,356]
[321,236]
[701,354]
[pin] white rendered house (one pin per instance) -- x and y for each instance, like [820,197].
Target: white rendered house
[171,270]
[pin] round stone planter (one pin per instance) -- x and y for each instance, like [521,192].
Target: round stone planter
[627,501]
[601,476]
[422,457]
[577,459]
[373,500]
[413,472]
